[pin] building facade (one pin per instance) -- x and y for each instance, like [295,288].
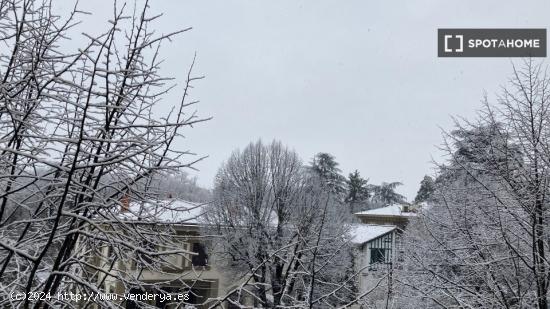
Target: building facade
[194,275]
[378,247]
[376,240]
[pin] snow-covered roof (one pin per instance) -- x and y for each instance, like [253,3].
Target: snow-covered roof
[362,233]
[392,210]
[166,211]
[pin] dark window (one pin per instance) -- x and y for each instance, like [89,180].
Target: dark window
[377,255]
[201,259]
[143,260]
[381,249]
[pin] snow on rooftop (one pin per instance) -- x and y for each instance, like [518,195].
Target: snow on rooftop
[392,210]
[362,233]
[166,211]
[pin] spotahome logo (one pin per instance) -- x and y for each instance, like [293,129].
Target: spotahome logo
[491,42]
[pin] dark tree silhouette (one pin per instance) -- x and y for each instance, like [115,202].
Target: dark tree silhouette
[357,190]
[385,193]
[325,166]
[426,190]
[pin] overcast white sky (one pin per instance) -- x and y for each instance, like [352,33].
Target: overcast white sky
[358,79]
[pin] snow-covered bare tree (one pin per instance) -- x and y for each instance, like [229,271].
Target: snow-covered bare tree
[484,241]
[179,185]
[280,231]
[79,137]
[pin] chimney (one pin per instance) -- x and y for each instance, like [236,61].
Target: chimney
[125,203]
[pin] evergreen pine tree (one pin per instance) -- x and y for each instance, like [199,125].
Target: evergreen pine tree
[325,166]
[426,190]
[357,190]
[385,194]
